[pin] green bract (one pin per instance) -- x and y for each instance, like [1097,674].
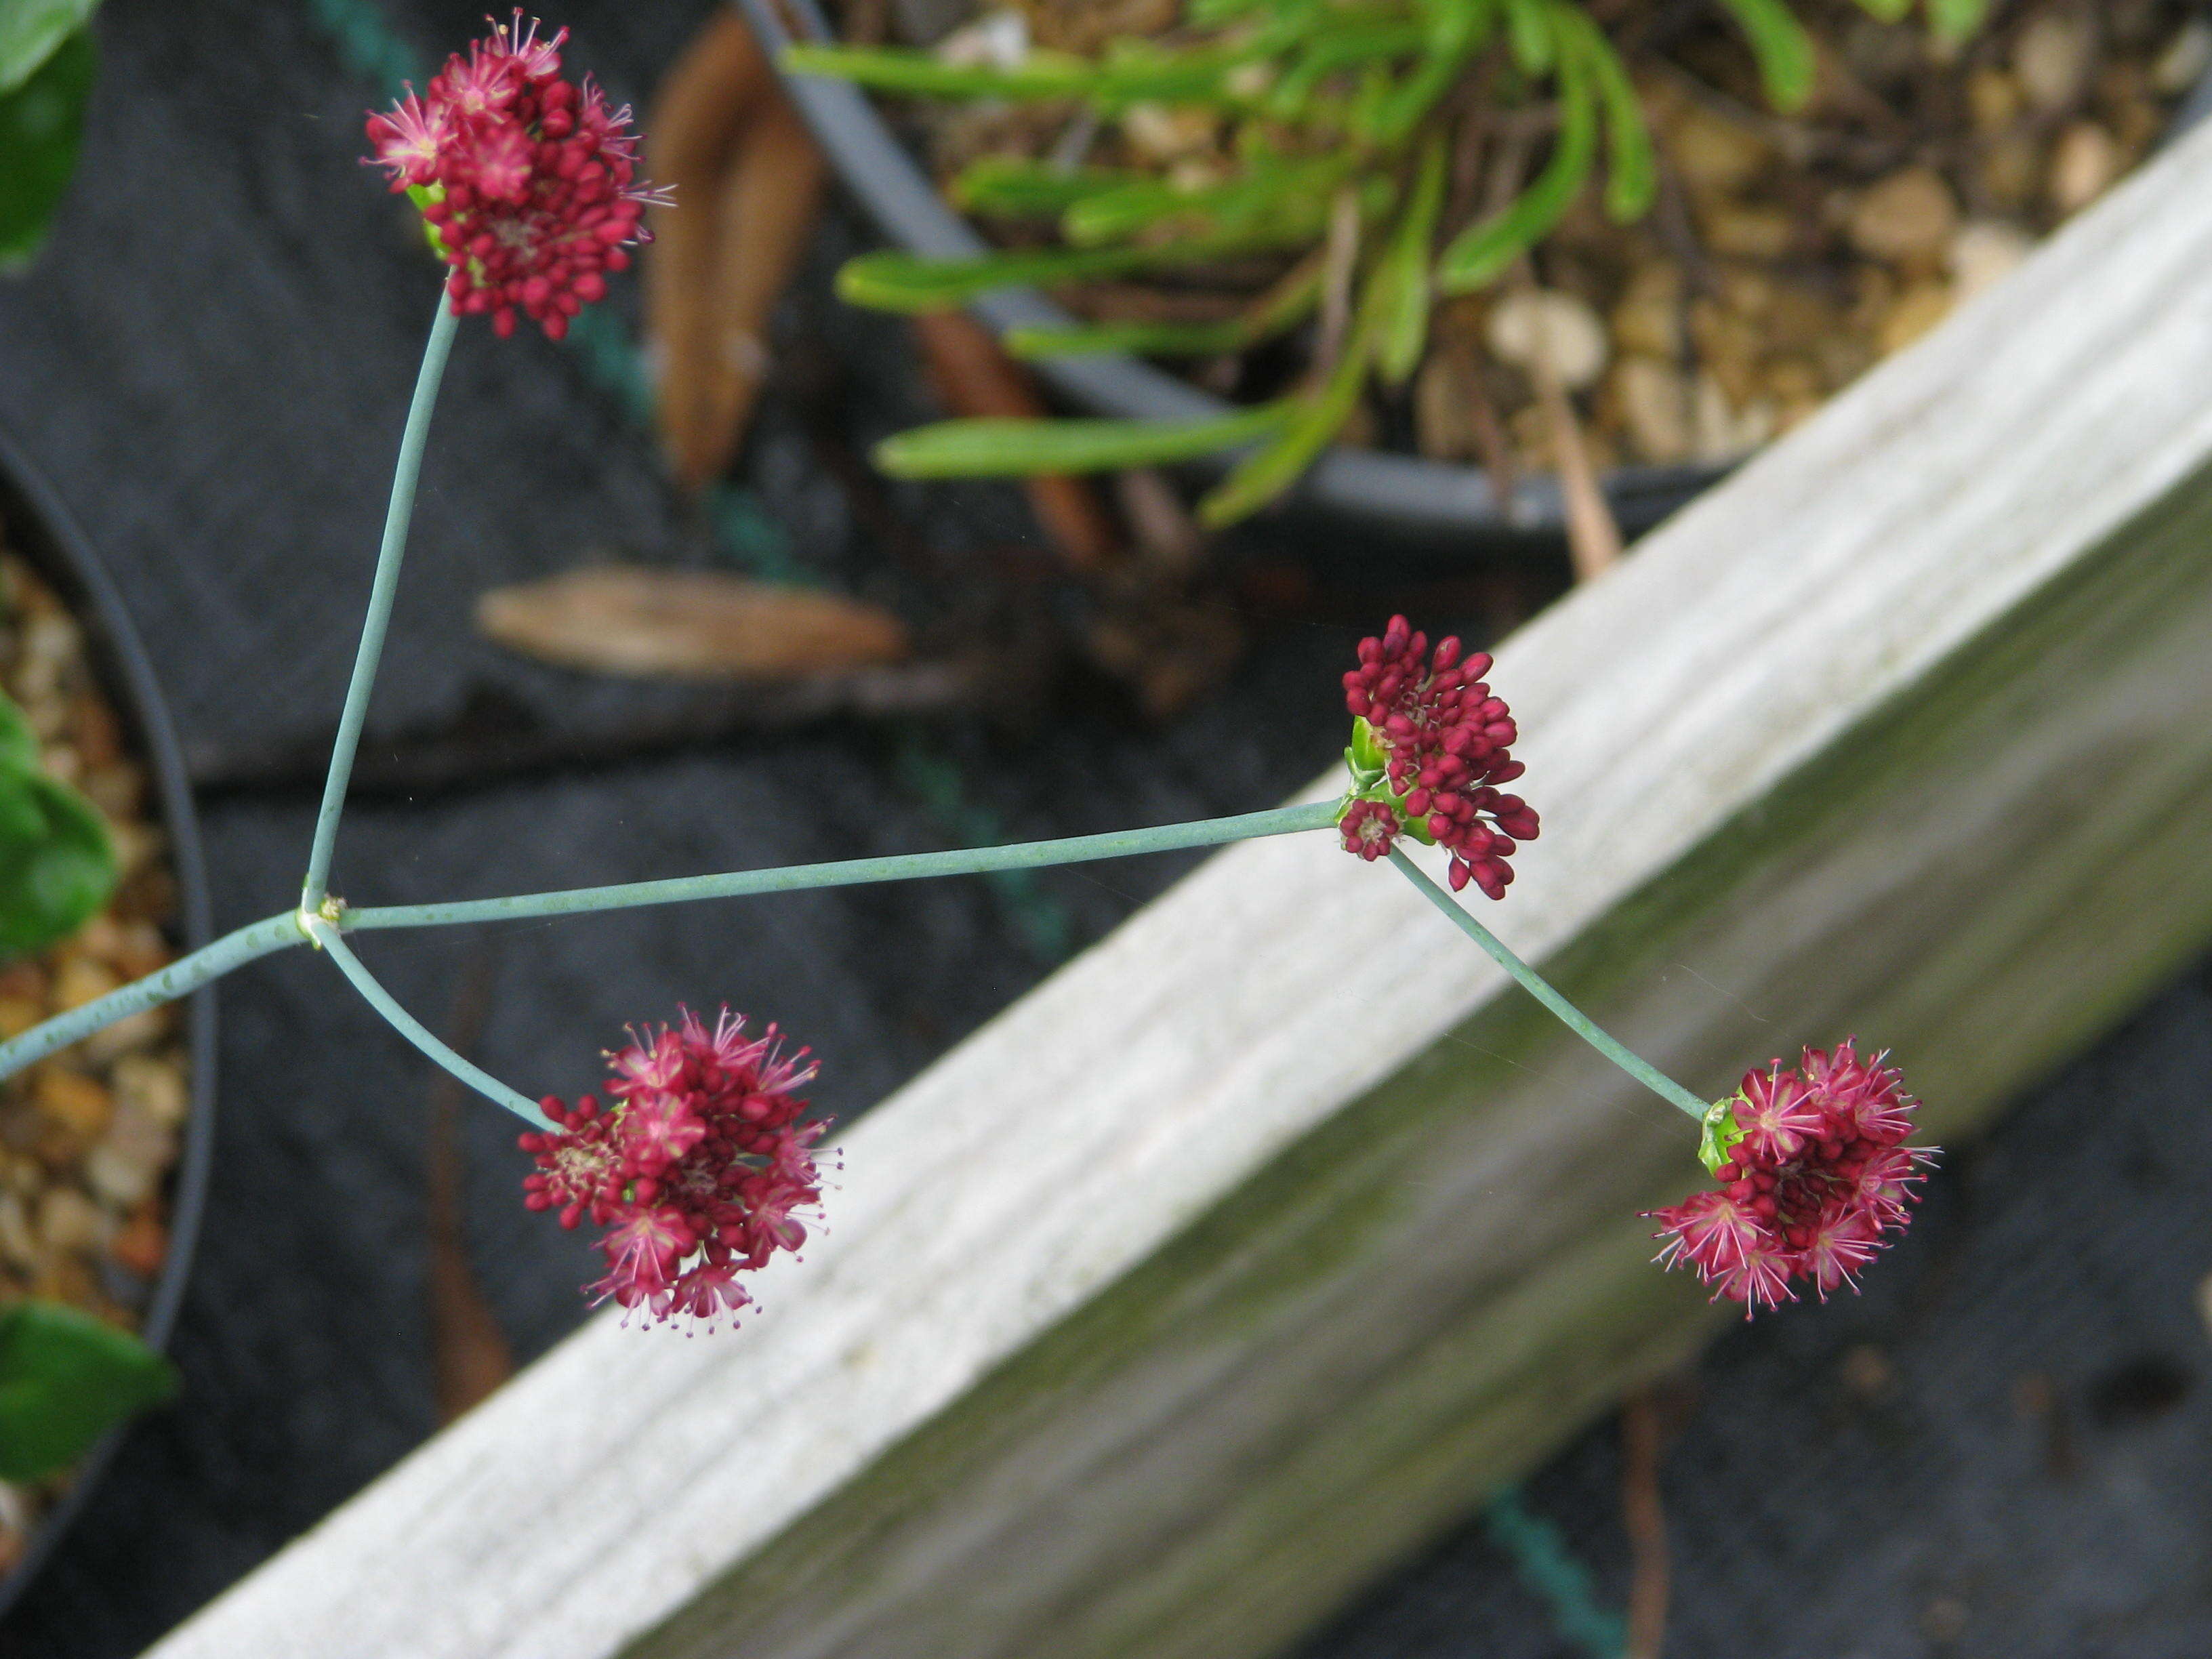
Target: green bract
[1721,1131]
[65,1380]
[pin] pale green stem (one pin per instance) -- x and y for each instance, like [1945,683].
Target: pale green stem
[180,978]
[966,861]
[382,590]
[418,1034]
[1537,986]
[233,950]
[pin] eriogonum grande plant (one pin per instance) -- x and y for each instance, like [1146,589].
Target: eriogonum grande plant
[702,1163]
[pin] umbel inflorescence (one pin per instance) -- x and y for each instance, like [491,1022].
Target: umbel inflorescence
[701,1165]
[1429,745]
[699,1169]
[526,180]
[1814,1176]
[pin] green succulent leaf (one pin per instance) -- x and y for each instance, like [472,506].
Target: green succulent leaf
[1405,329]
[1017,186]
[32,31]
[1782,48]
[1484,250]
[987,448]
[1954,19]
[1145,339]
[1529,32]
[18,744]
[56,865]
[900,69]
[41,121]
[65,1380]
[892,280]
[1632,170]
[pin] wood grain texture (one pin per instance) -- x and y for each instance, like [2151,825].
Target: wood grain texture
[1263,1239]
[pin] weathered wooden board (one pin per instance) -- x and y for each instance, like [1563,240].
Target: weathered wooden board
[1272,1233]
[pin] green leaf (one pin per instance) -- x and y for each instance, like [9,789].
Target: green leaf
[1632,172]
[1782,48]
[56,865]
[1887,11]
[40,122]
[892,280]
[1404,329]
[1145,339]
[1016,186]
[1954,19]
[1456,28]
[65,1380]
[1314,419]
[32,31]
[898,69]
[1530,33]
[991,448]
[1484,249]
[18,744]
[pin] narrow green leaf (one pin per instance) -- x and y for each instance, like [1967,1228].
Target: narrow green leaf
[893,280]
[1530,31]
[1405,329]
[1887,11]
[1024,449]
[32,31]
[18,744]
[1954,19]
[1127,208]
[1145,339]
[1483,250]
[1782,48]
[57,866]
[40,122]
[1314,419]
[899,69]
[65,1380]
[1632,170]
[1456,29]
[1016,185]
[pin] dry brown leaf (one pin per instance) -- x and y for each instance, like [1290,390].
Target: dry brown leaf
[688,624]
[747,181]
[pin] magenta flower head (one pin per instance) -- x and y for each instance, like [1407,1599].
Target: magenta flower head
[1429,745]
[699,1168]
[527,181]
[1814,1179]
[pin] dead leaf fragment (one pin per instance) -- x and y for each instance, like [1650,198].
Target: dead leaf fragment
[688,624]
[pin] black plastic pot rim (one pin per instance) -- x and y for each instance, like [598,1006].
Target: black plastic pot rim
[40,529]
[1404,494]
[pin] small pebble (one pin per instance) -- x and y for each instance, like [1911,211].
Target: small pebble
[1982,252]
[82,980]
[1655,402]
[1918,309]
[154,1084]
[72,1100]
[70,1221]
[1907,218]
[1561,325]
[2050,58]
[2184,60]
[2087,160]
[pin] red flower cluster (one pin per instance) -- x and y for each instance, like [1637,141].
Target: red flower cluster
[1444,741]
[1813,1175]
[525,179]
[697,1169]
